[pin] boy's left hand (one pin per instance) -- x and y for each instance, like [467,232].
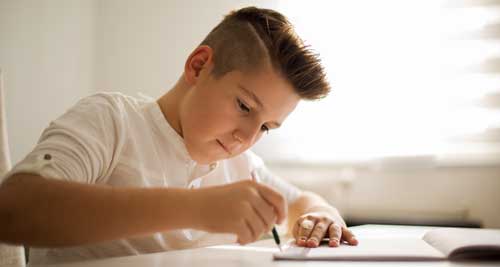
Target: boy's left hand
[312,227]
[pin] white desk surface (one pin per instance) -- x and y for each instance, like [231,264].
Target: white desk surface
[260,254]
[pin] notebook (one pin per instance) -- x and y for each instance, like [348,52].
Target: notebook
[436,244]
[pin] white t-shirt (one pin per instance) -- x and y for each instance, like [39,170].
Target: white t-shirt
[118,140]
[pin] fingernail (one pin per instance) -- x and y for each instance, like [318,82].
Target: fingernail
[312,242]
[334,242]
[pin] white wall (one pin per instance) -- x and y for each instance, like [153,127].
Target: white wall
[431,194]
[143,47]
[47,56]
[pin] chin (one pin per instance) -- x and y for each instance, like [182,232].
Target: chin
[202,158]
[203,161]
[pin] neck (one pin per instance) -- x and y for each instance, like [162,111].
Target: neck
[170,104]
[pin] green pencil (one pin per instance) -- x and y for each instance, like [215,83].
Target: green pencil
[276,238]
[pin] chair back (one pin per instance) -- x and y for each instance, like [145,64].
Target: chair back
[10,256]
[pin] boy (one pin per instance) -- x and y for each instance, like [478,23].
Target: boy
[116,175]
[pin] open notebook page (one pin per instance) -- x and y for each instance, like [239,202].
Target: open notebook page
[372,248]
[453,240]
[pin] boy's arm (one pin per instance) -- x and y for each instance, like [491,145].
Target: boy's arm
[311,218]
[37,211]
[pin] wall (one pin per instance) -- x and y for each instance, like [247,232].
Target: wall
[142,48]
[439,194]
[47,57]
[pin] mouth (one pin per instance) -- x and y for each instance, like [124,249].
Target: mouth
[223,147]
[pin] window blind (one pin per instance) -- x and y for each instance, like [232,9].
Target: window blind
[409,79]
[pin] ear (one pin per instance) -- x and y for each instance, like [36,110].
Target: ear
[200,59]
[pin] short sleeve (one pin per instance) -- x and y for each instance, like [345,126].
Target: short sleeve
[289,191]
[81,145]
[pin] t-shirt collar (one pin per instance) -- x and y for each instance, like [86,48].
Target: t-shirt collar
[174,138]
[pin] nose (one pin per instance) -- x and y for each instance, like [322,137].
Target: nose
[246,136]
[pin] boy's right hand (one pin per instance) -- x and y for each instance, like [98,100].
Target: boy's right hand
[246,209]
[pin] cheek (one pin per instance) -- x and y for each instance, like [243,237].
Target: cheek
[197,126]
[221,115]
[205,123]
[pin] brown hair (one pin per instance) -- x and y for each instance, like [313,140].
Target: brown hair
[249,36]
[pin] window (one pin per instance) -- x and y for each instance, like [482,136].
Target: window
[409,79]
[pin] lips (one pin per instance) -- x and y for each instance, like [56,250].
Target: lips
[222,145]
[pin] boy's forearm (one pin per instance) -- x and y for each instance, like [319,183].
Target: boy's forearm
[36,211]
[306,203]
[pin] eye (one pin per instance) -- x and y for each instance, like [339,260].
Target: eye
[264,129]
[242,106]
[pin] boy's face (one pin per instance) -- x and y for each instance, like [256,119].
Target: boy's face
[220,119]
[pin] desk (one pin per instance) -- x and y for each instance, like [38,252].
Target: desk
[260,254]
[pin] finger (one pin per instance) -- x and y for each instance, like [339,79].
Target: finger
[335,232]
[257,226]
[264,208]
[318,233]
[348,236]
[275,199]
[244,233]
[305,228]
[265,212]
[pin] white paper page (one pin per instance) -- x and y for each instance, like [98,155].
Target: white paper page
[373,249]
[448,240]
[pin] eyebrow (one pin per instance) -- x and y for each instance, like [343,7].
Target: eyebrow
[251,95]
[256,100]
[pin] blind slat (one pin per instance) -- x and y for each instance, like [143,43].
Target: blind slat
[487,32]
[490,65]
[491,101]
[472,3]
